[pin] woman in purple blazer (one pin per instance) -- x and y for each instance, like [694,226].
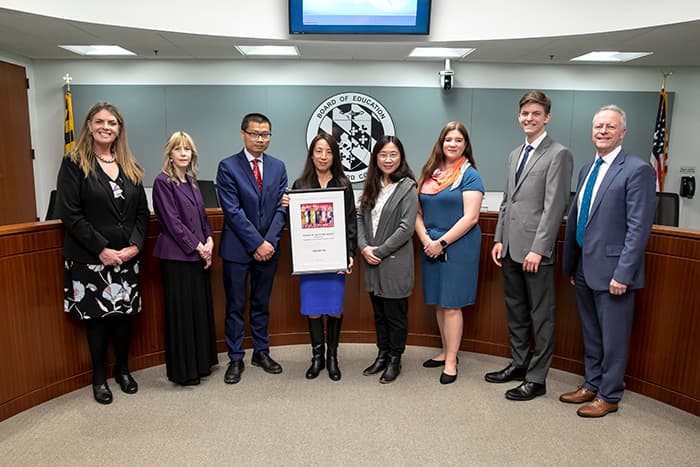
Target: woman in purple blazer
[184,246]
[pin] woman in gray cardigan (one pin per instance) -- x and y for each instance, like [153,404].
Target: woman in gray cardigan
[385,224]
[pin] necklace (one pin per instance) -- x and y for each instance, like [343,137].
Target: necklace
[105,160]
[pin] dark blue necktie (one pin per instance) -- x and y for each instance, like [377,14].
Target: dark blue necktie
[522,163]
[586,202]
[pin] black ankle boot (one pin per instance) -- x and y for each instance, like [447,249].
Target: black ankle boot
[392,369]
[333,336]
[101,393]
[317,348]
[379,363]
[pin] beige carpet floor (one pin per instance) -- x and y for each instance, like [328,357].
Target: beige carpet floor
[288,420]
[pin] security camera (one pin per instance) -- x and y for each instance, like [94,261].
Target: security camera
[446,76]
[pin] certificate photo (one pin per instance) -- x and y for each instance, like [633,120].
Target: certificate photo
[317,231]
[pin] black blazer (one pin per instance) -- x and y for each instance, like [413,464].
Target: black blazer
[91,217]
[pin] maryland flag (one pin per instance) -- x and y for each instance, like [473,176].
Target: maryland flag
[68,128]
[659,147]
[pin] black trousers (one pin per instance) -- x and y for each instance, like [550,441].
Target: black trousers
[391,323]
[99,332]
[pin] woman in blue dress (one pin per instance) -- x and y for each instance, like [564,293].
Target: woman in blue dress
[450,194]
[323,294]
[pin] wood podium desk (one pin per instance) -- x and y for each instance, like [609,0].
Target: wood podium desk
[44,352]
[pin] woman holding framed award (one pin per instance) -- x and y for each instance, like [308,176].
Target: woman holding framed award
[386,222]
[324,293]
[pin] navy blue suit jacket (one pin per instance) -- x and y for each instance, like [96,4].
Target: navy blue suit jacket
[250,217]
[618,228]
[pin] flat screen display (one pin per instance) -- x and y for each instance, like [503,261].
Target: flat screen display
[359,16]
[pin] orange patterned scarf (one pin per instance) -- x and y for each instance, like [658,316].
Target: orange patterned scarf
[442,178]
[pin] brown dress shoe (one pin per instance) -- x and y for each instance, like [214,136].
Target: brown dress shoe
[597,408]
[578,396]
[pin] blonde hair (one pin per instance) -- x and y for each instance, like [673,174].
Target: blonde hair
[84,153]
[176,139]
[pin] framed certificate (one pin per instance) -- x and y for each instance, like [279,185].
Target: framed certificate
[317,230]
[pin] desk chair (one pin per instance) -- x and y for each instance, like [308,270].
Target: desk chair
[667,206]
[208,190]
[51,211]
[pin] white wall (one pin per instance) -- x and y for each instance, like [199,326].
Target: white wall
[457,19]
[46,94]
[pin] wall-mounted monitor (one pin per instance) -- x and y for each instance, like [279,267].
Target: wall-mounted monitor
[359,16]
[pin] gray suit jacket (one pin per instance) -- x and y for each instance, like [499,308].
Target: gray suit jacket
[531,211]
[394,276]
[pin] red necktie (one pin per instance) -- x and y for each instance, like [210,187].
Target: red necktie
[256,174]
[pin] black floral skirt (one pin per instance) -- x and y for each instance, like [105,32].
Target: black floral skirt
[93,291]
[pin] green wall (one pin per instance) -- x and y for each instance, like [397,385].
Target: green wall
[212,115]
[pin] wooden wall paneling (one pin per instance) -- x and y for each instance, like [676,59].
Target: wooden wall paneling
[17,195]
[44,351]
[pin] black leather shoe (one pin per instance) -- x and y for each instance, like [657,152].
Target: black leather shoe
[264,361]
[318,363]
[332,365]
[392,371]
[102,393]
[233,372]
[509,373]
[526,391]
[379,364]
[435,363]
[447,379]
[190,382]
[126,383]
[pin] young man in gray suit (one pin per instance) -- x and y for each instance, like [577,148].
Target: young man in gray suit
[537,191]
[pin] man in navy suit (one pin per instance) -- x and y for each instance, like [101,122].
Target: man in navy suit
[250,184]
[606,233]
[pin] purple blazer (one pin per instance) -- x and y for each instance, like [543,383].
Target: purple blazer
[183,219]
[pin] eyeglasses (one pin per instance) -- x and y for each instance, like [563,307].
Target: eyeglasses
[388,155]
[256,135]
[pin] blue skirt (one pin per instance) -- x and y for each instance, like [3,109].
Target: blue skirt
[322,294]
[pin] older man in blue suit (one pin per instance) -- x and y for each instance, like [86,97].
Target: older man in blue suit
[250,185]
[606,233]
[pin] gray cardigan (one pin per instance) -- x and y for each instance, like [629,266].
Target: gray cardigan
[394,276]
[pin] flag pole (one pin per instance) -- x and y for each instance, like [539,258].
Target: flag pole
[665,75]
[68,126]
[68,78]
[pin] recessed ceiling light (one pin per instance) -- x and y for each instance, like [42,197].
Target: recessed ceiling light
[268,50]
[610,56]
[440,52]
[97,50]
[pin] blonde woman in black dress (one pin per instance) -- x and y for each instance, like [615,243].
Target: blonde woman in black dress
[102,203]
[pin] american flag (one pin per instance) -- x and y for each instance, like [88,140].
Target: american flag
[659,148]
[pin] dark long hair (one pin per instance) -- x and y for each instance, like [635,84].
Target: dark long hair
[308,175]
[437,156]
[373,182]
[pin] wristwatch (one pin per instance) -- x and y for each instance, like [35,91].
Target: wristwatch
[443,243]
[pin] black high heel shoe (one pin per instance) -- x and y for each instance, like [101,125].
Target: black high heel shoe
[101,393]
[126,383]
